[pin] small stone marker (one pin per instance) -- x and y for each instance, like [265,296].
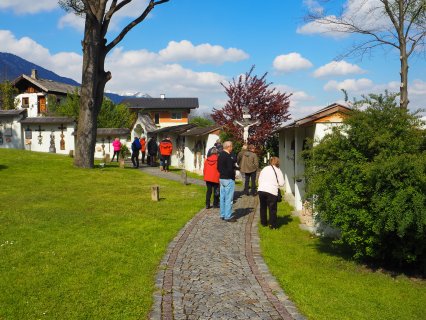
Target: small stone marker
[184,176]
[155,193]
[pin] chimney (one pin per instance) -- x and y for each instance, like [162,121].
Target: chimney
[34,74]
[162,96]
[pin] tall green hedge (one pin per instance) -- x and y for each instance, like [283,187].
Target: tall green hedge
[368,179]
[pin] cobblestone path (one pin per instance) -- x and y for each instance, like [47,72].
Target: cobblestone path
[213,270]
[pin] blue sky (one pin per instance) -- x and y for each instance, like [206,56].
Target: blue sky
[186,48]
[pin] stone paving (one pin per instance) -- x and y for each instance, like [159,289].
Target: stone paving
[213,269]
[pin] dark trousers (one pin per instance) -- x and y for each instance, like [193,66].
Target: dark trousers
[211,186]
[135,159]
[268,201]
[166,162]
[143,156]
[116,153]
[250,176]
[152,160]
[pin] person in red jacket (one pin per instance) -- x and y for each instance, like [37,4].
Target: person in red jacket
[166,149]
[211,177]
[143,148]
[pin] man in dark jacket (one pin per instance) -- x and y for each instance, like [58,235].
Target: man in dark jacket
[226,168]
[249,164]
[136,146]
[152,151]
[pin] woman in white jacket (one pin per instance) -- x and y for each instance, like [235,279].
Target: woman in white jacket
[270,179]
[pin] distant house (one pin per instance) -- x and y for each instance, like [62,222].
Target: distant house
[35,93]
[292,141]
[160,112]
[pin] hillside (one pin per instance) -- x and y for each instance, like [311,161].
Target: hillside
[12,66]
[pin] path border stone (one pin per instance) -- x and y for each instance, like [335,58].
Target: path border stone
[267,281]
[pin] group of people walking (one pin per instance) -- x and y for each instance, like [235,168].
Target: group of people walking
[141,146]
[219,174]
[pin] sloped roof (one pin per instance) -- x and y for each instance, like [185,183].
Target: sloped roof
[47,85]
[324,112]
[112,131]
[11,113]
[161,103]
[47,120]
[201,131]
[175,129]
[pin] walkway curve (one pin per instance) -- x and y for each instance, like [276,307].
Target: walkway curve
[214,270]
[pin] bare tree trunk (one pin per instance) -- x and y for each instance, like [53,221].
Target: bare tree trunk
[94,79]
[404,79]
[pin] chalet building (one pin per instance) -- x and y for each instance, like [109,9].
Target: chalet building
[292,141]
[35,93]
[160,112]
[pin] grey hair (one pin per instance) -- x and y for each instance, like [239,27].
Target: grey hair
[227,144]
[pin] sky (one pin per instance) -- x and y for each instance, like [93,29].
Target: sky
[187,48]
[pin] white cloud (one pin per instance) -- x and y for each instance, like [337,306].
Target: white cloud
[28,6]
[297,96]
[367,14]
[203,53]
[128,12]
[132,71]
[350,85]
[313,6]
[337,68]
[71,20]
[291,62]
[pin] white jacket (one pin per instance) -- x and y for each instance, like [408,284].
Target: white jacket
[268,182]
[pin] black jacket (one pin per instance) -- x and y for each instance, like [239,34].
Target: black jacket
[152,147]
[226,166]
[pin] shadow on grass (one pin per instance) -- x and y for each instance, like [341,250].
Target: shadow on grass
[3,167]
[284,220]
[330,247]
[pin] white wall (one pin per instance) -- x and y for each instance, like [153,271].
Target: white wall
[15,141]
[34,145]
[32,110]
[108,148]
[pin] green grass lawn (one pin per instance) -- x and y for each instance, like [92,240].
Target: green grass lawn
[83,244]
[326,286]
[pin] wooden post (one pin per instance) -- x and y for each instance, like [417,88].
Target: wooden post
[184,176]
[155,193]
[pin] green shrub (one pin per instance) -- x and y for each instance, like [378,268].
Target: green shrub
[368,179]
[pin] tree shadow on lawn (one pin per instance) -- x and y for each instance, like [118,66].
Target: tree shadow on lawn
[331,248]
[3,167]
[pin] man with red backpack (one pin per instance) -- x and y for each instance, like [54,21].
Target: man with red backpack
[166,149]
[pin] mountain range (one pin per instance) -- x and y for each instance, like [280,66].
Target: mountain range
[12,66]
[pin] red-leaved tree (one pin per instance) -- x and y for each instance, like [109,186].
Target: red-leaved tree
[264,103]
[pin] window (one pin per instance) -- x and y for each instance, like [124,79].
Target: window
[157,118]
[177,115]
[25,102]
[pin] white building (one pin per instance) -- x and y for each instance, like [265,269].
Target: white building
[10,129]
[292,141]
[198,141]
[35,93]
[48,134]
[105,138]
[190,144]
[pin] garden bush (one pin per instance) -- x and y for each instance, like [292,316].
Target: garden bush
[368,179]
